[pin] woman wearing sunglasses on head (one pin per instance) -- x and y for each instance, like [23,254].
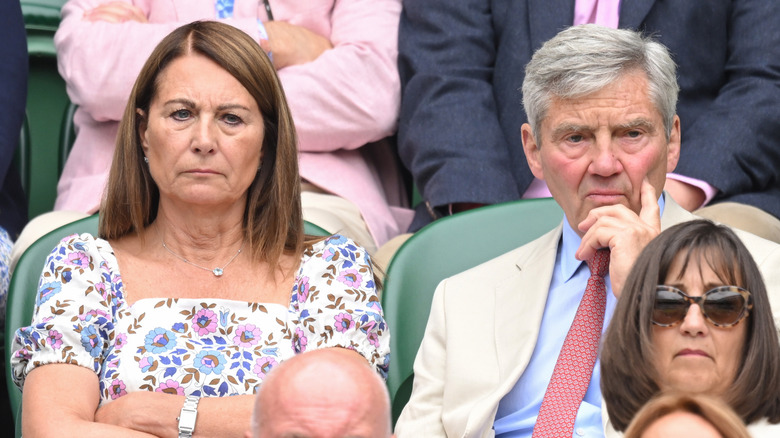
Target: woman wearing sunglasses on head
[695,318]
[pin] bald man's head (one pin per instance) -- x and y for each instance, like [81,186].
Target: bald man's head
[327,393]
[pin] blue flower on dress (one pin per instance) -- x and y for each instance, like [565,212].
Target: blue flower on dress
[178,327]
[336,239]
[160,340]
[223,316]
[210,362]
[91,341]
[47,291]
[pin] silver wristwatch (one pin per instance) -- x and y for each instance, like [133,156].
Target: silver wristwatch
[187,416]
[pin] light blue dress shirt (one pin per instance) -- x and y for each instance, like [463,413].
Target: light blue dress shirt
[518,410]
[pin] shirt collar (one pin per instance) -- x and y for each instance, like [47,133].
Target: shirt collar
[571,242]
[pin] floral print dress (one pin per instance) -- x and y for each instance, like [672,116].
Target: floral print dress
[5,276]
[200,347]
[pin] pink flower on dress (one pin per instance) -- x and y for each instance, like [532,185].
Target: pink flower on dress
[264,365]
[170,387]
[121,340]
[328,254]
[344,322]
[373,339]
[205,322]
[78,259]
[299,340]
[351,278]
[117,389]
[55,339]
[147,364]
[247,335]
[303,289]
[101,288]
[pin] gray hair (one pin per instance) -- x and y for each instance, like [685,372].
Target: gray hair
[583,59]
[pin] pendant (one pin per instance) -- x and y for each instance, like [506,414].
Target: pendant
[217,272]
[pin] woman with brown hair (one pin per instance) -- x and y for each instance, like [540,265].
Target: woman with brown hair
[218,283]
[695,318]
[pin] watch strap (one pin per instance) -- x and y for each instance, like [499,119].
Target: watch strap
[188,416]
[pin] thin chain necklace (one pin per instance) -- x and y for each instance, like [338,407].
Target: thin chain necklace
[216,271]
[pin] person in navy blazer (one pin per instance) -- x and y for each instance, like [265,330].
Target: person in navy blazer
[13,96]
[462,65]
[13,203]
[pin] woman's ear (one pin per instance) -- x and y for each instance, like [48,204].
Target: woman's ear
[143,122]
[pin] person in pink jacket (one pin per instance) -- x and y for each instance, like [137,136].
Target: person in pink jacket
[336,60]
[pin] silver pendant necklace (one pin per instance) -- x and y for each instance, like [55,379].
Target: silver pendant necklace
[216,271]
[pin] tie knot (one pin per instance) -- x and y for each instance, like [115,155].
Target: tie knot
[599,262]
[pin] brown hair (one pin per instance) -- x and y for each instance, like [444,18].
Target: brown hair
[714,411]
[628,377]
[273,222]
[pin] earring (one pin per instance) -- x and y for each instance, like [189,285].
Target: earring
[146,160]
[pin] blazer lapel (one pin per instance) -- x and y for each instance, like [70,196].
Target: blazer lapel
[520,303]
[548,17]
[674,213]
[633,13]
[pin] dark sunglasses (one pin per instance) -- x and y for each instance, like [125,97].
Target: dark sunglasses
[723,306]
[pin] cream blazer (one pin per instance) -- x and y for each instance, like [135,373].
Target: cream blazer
[483,328]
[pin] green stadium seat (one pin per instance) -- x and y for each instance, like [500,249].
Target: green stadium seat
[439,250]
[47,105]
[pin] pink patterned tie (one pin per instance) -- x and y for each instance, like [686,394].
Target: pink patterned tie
[572,371]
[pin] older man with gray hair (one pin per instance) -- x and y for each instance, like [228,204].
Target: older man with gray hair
[511,347]
[326,393]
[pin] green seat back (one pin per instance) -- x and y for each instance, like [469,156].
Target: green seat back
[47,106]
[314,230]
[446,247]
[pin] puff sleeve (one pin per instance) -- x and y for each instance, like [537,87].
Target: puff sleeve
[75,309]
[337,304]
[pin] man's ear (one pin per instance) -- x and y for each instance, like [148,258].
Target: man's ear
[531,149]
[143,122]
[673,148]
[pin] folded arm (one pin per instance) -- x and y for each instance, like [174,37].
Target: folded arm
[350,94]
[60,400]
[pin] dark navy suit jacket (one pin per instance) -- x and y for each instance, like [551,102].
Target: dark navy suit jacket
[13,98]
[462,65]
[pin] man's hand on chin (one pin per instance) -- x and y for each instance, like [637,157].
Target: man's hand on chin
[689,197]
[622,231]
